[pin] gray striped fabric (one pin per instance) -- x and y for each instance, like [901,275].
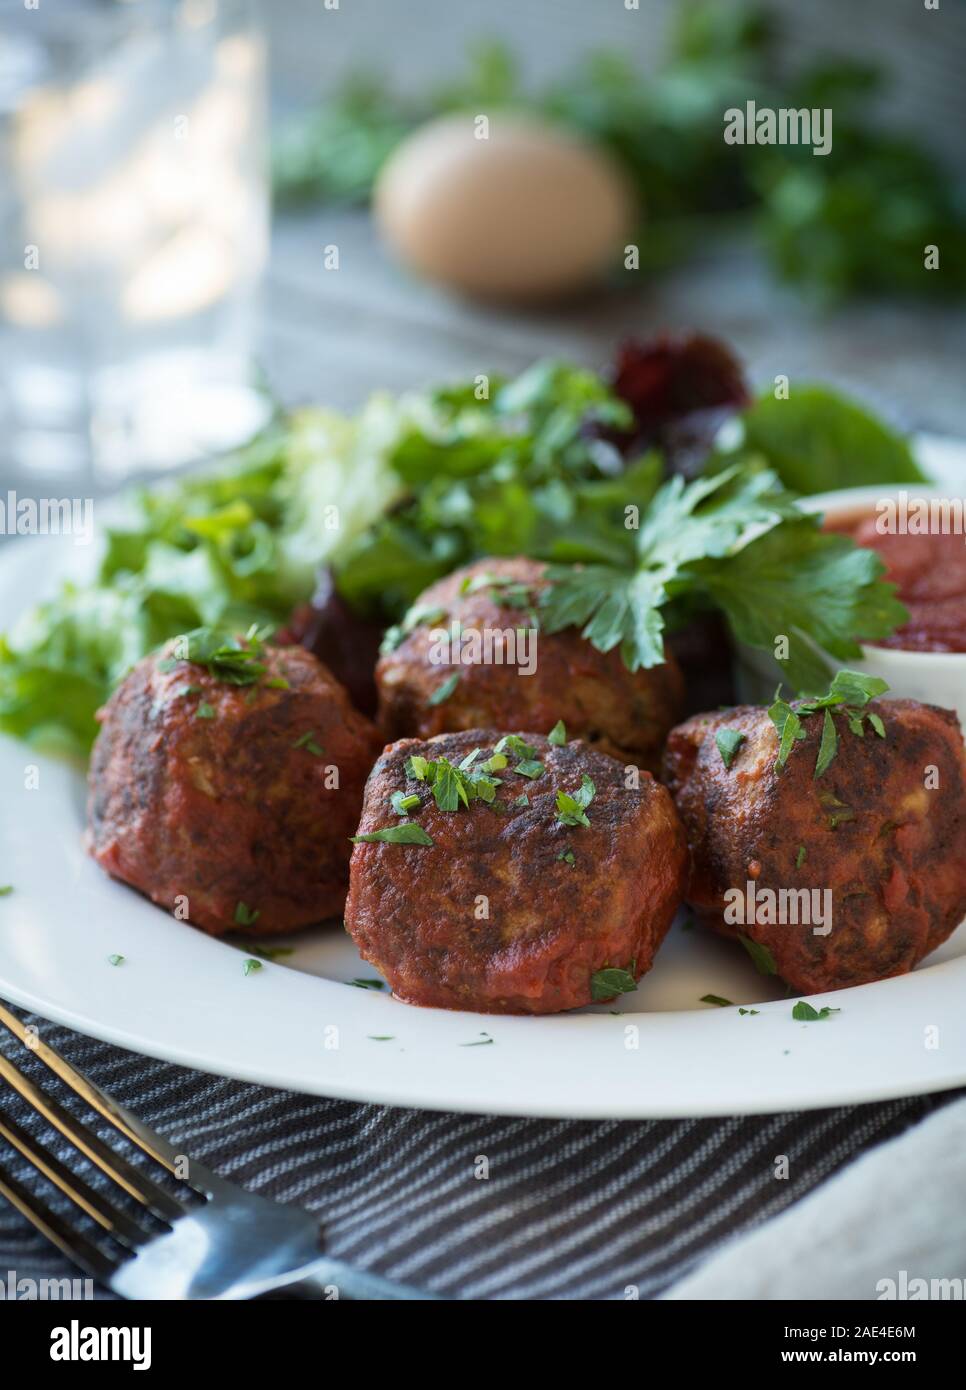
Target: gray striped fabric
[569,1209]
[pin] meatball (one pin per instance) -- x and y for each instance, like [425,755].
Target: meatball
[231,805]
[624,713]
[867,860]
[516,905]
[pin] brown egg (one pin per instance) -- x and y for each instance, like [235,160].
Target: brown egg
[528,211]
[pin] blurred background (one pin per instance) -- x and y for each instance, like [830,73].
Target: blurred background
[151,314]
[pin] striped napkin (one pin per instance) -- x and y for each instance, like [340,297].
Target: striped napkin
[483,1207]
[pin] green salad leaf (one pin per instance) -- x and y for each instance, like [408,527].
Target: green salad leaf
[411,488]
[818,440]
[521,470]
[236,545]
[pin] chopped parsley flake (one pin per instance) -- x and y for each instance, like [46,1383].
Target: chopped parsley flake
[403,804]
[558,734]
[728,741]
[838,810]
[250,966]
[364,982]
[516,745]
[567,855]
[445,690]
[417,615]
[604,984]
[571,808]
[115,960]
[204,711]
[530,767]
[6,890]
[761,955]
[272,952]
[246,916]
[804,1013]
[406,833]
[495,763]
[829,745]
[418,767]
[717,999]
[789,729]
[800,856]
[751,1012]
[307,741]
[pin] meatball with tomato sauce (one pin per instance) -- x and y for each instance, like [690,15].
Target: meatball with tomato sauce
[846,870]
[229,786]
[512,875]
[497,668]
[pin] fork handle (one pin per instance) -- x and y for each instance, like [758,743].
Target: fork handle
[355,1285]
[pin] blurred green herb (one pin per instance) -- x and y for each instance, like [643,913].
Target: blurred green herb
[815,215]
[604,984]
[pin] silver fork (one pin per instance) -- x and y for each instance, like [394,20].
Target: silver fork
[232,1245]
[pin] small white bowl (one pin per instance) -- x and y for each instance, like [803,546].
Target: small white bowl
[935,678]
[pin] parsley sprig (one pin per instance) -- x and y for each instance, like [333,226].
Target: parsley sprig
[735,540]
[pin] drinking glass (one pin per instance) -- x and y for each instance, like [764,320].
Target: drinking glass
[133,232]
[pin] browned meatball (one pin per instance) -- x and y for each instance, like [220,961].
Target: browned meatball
[233,803]
[510,910]
[890,851]
[624,713]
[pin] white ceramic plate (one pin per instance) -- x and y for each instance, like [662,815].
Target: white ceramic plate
[182,996]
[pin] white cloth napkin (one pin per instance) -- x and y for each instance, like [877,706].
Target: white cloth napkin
[895,1216]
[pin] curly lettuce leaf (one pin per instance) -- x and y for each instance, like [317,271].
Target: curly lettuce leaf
[516,467]
[228,547]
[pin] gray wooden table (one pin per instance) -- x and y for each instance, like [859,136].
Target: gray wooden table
[335,335]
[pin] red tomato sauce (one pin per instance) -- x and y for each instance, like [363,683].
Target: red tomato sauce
[929,572]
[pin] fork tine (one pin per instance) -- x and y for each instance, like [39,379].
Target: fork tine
[117,1223]
[135,1183]
[73,1244]
[199,1177]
